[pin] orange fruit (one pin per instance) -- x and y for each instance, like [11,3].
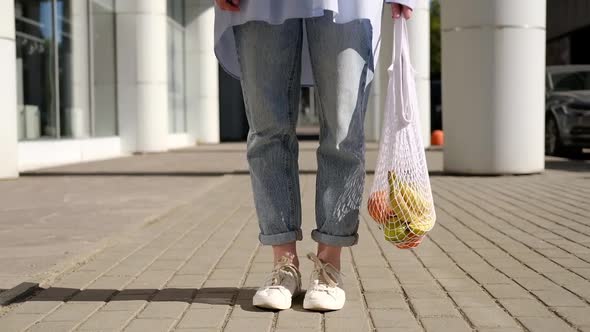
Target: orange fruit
[412,242]
[379,207]
[437,138]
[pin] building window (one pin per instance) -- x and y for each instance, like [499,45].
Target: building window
[176,67]
[59,95]
[104,77]
[35,58]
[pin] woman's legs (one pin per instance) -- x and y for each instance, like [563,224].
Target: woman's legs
[341,56]
[270,58]
[329,254]
[288,250]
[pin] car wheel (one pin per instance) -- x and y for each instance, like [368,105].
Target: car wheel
[552,140]
[574,153]
[553,144]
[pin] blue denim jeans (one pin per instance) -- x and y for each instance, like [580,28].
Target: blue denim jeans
[341,58]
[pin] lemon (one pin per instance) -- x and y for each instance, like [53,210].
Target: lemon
[421,226]
[409,206]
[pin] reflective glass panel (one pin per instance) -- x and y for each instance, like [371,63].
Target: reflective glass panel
[35,66]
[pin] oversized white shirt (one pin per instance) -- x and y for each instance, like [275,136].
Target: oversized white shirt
[277,11]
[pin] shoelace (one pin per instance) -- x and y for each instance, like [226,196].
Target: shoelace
[323,275]
[276,277]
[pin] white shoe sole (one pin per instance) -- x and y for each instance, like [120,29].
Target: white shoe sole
[319,306]
[270,303]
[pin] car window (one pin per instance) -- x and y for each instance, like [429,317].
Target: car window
[572,81]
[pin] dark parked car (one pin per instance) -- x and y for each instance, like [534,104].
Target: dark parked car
[567,110]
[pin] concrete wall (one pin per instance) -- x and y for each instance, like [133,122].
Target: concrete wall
[8,123]
[419,37]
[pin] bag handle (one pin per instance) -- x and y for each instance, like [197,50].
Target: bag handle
[401,70]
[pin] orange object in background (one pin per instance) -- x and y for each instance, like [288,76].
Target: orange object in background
[438,138]
[411,243]
[379,207]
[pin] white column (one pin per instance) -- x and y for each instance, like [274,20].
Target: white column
[419,37]
[374,116]
[493,64]
[104,69]
[142,75]
[8,124]
[202,72]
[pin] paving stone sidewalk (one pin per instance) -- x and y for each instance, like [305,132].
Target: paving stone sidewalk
[508,254]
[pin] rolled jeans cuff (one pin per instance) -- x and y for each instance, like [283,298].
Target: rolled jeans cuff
[334,240]
[281,238]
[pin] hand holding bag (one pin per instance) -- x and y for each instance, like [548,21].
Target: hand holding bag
[401,197]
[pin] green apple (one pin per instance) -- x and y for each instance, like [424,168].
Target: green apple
[395,233]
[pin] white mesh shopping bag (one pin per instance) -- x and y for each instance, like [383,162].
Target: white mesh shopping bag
[401,198]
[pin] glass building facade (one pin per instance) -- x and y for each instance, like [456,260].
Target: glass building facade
[36,67]
[97,79]
[67,68]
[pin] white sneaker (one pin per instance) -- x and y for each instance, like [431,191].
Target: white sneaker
[283,283]
[325,290]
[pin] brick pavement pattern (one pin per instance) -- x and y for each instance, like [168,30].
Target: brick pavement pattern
[508,254]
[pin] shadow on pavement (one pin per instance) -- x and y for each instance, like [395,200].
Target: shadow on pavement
[241,297]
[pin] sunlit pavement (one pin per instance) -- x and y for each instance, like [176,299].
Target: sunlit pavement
[163,242]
